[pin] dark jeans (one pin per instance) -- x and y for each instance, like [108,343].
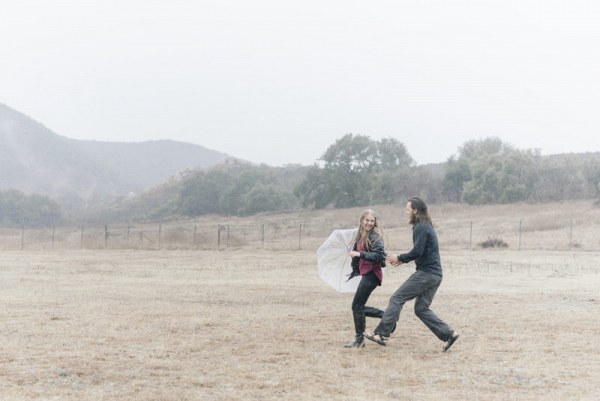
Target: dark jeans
[423,287]
[367,284]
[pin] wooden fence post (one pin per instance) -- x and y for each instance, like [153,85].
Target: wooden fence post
[471,236]
[23,234]
[520,222]
[194,240]
[571,236]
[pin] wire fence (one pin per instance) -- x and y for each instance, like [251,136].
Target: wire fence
[293,235]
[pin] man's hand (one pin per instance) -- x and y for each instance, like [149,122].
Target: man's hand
[393,260]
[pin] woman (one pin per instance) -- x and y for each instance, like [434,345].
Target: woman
[368,257]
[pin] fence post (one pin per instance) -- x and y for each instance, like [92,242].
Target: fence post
[159,232]
[263,236]
[471,236]
[218,237]
[23,234]
[105,235]
[571,236]
[300,236]
[82,236]
[128,228]
[53,228]
[194,240]
[227,241]
[520,222]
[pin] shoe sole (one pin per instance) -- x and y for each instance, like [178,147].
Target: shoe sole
[450,342]
[375,340]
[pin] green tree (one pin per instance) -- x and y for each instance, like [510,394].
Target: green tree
[457,174]
[35,210]
[591,173]
[201,194]
[491,171]
[561,178]
[265,198]
[354,171]
[519,176]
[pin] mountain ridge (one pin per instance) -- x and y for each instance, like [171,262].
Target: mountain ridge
[34,159]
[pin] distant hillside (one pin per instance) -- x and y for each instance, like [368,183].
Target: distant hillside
[34,159]
[240,184]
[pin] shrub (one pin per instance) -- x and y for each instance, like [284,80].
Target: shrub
[493,243]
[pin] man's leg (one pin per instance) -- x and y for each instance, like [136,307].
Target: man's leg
[407,291]
[427,316]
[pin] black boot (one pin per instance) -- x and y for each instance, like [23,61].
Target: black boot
[359,342]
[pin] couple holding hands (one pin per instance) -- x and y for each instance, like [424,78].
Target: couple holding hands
[368,257]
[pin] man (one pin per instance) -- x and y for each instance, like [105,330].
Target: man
[422,284]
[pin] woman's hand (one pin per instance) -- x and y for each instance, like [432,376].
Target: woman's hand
[354,254]
[393,260]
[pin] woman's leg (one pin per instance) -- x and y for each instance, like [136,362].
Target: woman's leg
[367,284]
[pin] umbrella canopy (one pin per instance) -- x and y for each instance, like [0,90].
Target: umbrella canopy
[334,262]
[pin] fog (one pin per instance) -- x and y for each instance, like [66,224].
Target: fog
[278,82]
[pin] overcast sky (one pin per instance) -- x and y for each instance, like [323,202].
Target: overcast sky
[277,82]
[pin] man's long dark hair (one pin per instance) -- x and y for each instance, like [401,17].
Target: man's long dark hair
[422,212]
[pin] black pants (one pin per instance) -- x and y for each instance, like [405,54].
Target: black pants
[367,284]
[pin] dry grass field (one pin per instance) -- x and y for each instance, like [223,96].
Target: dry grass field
[251,323]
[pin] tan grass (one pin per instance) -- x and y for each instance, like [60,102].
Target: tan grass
[187,322]
[126,324]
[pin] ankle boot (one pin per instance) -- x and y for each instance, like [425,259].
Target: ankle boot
[358,342]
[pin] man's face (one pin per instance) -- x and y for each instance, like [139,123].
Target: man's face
[411,214]
[369,222]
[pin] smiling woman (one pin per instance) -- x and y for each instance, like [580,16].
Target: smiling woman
[368,257]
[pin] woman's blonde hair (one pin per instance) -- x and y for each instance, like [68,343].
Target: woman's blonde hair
[363,233]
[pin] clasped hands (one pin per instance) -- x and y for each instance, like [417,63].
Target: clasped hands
[393,260]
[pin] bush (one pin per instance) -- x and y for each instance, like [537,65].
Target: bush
[493,243]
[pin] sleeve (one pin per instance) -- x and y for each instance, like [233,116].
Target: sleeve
[355,261]
[377,253]
[419,241]
[355,265]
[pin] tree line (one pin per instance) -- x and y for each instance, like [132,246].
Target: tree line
[354,171]
[359,171]
[17,208]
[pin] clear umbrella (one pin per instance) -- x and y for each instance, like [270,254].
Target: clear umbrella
[334,262]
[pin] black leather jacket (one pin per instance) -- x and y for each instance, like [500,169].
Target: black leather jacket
[376,254]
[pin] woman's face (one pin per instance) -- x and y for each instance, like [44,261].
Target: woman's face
[369,222]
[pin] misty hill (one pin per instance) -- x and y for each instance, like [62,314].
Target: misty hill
[34,159]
